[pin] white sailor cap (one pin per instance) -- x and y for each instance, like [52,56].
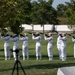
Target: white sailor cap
[63,33]
[59,33]
[25,34]
[50,33]
[37,32]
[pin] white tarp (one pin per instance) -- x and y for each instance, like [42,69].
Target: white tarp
[62,28]
[37,27]
[27,27]
[47,27]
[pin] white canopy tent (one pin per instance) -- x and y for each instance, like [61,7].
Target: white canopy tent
[47,27]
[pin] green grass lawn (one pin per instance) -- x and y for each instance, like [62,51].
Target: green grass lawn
[37,67]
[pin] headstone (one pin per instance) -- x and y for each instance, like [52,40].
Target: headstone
[66,71]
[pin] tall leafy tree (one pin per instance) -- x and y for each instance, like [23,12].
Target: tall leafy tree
[66,12]
[43,12]
[14,13]
[5,6]
[61,8]
[70,12]
[23,15]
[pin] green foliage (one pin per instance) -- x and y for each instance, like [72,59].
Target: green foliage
[12,11]
[61,8]
[17,12]
[62,20]
[43,12]
[71,13]
[71,20]
[67,11]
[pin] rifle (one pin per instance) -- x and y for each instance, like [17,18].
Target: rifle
[2,34]
[71,35]
[11,35]
[47,35]
[5,35]
[21,35]
[29,32]
[16,35]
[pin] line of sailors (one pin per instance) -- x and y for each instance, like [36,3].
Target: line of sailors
[61,45]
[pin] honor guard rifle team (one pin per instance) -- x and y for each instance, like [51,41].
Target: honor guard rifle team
[61,45]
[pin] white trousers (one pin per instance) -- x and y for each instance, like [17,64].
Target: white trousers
[63,52]
[49,51]
[7,51]
[74,50]
[25,51]
[59,51]
[38,51]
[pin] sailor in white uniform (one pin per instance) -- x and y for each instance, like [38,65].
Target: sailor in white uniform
[37,38]
[6,39]
[59,44]
[25,53]
[63,46]
[73,39]
[49,38]
[15,39]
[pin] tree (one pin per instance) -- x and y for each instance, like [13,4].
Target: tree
[61,8]
[70,12]
[23,15]
[66,12]
[14,13]
[43,12]
[5,6]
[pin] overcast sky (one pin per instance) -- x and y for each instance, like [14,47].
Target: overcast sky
[56,2]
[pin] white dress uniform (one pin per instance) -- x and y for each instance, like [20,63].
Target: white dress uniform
[49,46]
[38,45]
[6,46]
[25,47]
[63,48]
[59,45]
[73,39]
[15,46]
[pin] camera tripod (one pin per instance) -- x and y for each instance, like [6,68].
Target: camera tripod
[17,63]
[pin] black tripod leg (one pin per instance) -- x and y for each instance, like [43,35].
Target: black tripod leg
[17,69]
[22,68]
[14,68]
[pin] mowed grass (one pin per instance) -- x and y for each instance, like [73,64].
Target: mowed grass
[37,67]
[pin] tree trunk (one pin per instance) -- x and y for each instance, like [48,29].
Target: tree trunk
[43,29]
